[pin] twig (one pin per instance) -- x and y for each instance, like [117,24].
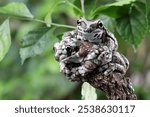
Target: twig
[54,24]
[82,6]
[41,21]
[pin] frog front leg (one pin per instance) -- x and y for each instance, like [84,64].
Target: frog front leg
[105,55]
[118,64]
[61,48]
[111,41]
[99,56]
[83,70]
[113,67]
[120,59]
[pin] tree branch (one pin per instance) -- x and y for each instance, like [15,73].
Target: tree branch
[115,87]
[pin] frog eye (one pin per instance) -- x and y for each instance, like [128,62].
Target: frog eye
[100,24]
[78,22]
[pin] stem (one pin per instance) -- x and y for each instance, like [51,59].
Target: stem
[82,6]
[53,24]
[62,25]
[78,9]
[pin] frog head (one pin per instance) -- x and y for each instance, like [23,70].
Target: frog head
[92,31]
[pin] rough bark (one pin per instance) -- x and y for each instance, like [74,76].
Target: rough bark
[115,87]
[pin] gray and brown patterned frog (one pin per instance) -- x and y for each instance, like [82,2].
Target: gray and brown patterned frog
[90,46]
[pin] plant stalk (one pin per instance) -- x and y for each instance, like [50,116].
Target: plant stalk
[83,9]
[53,24]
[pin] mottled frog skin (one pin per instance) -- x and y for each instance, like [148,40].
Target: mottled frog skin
[95,32]
[91,46]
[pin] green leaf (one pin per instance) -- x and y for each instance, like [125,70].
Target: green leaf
[48,19]
[35,42]
[132,27]
[88,92]
[122,2]
[90,6]
[16,9]
[52,8]
[77,9]
[115,10]
[5,39]
[108,22]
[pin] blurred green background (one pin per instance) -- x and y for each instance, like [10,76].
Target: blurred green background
[39,76]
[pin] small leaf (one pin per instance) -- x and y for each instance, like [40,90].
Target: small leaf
[132,27]
[52,7]
[88,92]
[16,9]
[48,19]
[87,6]
[5,39]
[35,42]
[115,10]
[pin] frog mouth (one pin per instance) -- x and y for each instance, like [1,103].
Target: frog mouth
[90,35]
[84,33]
